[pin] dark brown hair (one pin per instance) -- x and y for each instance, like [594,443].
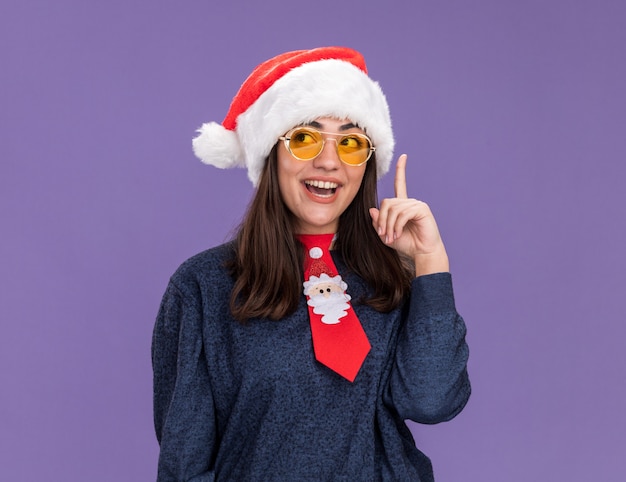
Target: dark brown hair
[267,266]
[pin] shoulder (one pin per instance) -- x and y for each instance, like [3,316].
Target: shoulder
[211,259]
[209,266]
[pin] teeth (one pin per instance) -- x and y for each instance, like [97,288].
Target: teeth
[322,184]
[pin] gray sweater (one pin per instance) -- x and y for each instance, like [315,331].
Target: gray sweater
[249,402]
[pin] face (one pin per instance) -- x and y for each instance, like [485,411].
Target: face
[317,192]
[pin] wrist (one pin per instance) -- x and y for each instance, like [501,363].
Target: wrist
[430,263]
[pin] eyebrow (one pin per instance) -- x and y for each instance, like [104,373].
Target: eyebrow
[343,127]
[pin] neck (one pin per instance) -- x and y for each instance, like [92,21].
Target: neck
[312,239]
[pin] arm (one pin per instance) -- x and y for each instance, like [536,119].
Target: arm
[429,381]
[183,405]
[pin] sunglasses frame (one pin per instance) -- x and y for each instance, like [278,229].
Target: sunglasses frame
[336,137]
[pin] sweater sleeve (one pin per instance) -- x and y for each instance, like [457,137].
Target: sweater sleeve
[183,405]
[429,381]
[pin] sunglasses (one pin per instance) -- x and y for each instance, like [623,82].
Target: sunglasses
[305,144]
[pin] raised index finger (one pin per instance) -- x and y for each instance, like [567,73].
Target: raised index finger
[400,182]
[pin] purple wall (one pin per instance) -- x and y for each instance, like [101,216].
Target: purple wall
[514,118]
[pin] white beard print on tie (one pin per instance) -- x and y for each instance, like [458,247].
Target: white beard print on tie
[327,297]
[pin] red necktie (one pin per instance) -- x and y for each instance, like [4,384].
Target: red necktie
[339,341]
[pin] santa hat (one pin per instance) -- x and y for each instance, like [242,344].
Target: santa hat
[318,266]
[291,89]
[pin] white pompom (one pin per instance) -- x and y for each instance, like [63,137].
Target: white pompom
[316,252]
[218,146]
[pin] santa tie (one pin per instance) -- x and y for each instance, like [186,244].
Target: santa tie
[339,341]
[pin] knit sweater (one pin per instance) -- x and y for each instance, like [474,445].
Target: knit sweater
[249,402]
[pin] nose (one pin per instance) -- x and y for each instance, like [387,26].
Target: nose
[328,159]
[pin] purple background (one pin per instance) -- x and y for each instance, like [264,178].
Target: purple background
[514,118]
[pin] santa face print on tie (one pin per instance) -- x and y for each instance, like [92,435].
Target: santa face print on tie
[328,297]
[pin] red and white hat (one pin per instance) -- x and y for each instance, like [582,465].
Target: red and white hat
[291,89]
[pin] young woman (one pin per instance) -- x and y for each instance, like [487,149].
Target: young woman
[297,351]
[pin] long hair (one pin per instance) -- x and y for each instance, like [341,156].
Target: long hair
[267,267]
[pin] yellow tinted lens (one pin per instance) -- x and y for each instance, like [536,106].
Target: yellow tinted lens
[305,144]
[354,149]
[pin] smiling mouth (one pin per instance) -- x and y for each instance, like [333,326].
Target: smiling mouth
[321,188]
